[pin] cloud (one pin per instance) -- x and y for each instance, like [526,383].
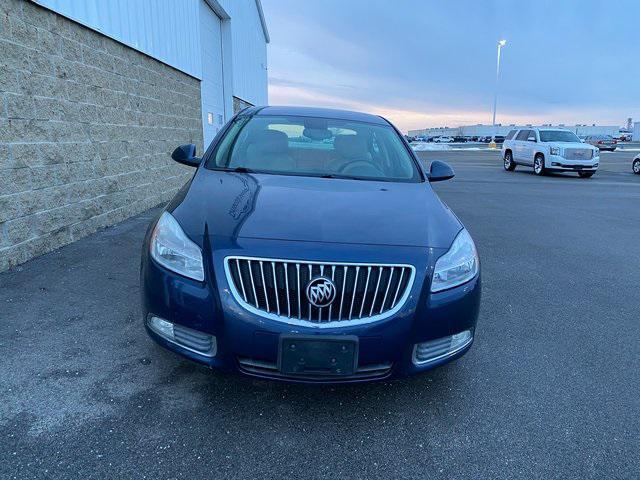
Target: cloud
[427,64]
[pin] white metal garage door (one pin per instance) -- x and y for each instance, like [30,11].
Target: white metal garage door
[212,90]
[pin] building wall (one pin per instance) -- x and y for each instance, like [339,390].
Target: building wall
[239,104]
[249,51]
[87,126]
[636,132]
[220,42]
[167,30]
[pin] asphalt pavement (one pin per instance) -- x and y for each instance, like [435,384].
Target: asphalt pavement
[550,389]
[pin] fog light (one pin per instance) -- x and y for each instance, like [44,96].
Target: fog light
[161,327]
[440,348]
[187,338]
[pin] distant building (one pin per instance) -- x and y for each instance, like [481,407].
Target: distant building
[490,130]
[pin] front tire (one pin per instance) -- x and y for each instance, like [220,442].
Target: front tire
[509,164]
[636,166]
[538,165]
[585,174]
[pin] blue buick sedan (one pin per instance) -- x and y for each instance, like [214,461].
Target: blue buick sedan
[309,246]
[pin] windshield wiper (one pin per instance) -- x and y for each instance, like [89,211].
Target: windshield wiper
[341,177]
[235,169]
[348,177]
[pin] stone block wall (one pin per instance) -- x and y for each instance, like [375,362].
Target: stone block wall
[87,127]
[239,104]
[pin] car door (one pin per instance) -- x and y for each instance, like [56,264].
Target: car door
[518,146]
[530,146]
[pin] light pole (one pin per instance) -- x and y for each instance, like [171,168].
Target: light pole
[501,44]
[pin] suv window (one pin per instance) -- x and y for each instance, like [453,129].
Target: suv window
[523,135]
[510,135]
[558,136]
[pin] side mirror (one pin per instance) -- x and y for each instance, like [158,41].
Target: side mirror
[440,171]
[531,139]
[186,155]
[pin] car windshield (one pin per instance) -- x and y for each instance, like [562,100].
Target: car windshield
[312,146]
[558,136]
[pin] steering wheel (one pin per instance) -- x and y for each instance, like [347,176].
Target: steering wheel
[364,163]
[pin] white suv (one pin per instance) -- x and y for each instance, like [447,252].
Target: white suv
[549,149]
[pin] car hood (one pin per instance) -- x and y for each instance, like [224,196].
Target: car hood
[309,209]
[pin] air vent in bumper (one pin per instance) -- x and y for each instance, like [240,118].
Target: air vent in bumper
[269,369]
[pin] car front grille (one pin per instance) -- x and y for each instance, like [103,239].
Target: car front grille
[578,153]
[277,289]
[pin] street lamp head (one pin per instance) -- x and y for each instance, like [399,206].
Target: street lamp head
[502,43]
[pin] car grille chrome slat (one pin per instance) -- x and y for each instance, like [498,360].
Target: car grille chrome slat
[286,279]
[364,292]
[273,267]
[264,286]
[253,285]
[366,286]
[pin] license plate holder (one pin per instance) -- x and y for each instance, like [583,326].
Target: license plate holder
[318,355]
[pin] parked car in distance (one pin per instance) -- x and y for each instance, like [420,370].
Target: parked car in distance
[498,138]
[636,165]
[271,261]
[443,139]
[460,139]
[602,142]
[549,149]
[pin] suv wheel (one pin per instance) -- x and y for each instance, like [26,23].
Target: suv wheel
[509,164]
[586,174]
[636,166]
[538,165]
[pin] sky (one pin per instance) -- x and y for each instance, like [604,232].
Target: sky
[433,63]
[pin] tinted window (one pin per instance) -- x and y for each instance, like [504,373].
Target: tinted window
[511,134]
[523,135]
[558,136]
[315,147]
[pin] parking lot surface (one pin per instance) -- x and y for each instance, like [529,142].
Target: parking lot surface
[550,388]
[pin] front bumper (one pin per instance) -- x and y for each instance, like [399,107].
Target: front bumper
[558,163]
[249,343]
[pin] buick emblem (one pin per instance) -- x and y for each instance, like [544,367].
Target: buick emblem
[321,292]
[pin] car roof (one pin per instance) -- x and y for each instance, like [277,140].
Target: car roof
[316,112]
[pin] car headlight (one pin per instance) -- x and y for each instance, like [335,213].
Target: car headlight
[459,265]
[171,248]
[595,153]
[554,150]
